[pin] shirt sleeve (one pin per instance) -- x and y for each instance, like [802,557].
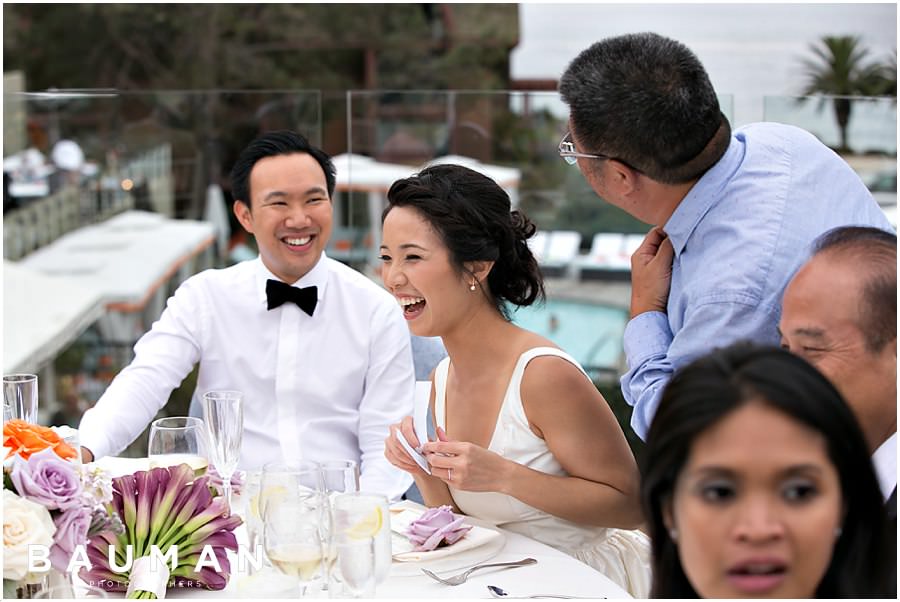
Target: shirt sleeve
[162,358]
[653,353]
[387,398]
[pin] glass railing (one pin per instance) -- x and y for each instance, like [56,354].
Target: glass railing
[493,130]
[91,138]
[867,138]
[162,150]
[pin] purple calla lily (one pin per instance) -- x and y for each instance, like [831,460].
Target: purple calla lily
[166,507]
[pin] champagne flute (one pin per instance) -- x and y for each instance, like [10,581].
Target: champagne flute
[291,535]
[338,476]
[223,413]
[20,393]
[250,512]
[178,440]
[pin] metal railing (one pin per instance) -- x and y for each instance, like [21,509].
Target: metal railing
[42,221]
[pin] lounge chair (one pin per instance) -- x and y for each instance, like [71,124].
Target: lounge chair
[607,259]
[538,245]
[562,250]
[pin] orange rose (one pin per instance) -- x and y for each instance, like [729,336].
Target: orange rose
[25,439]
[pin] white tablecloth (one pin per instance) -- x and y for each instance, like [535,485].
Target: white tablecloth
[127,257]
[554,572]
[41,315]
[130,260]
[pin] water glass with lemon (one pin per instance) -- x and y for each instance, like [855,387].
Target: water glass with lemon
[353,575]
[359,516]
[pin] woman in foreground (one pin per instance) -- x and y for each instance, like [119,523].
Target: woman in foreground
[757,483]
[525,439]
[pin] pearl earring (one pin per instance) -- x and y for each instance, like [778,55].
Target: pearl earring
[472,286]
[673,534]
[838,532]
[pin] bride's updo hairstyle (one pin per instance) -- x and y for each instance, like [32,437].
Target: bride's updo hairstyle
[471,214]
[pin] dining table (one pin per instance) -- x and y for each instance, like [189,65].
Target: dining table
[554,573]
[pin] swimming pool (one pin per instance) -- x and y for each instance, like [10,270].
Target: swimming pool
[590,333]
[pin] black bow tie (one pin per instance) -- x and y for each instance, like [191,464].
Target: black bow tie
[278,293]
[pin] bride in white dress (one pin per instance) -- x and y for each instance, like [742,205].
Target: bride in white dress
[526,440]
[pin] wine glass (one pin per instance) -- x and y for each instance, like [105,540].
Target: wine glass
[292,534]
[20,393]
[223,412]
[178,440]
[339,476]
[282,478]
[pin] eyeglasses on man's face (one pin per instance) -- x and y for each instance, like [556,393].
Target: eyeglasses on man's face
[570,155]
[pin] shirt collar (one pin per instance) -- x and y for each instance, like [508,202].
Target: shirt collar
[317,276]
[885,461]
[702,196]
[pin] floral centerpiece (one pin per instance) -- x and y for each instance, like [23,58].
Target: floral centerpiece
[172,511]
[49,501]
[108,528]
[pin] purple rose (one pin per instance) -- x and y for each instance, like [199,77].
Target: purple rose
[71,530]
[436,527]
[47,479]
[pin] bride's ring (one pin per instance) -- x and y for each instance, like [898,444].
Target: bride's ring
[449,474]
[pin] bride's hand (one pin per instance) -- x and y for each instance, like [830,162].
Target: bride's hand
[464,465]
[394,451]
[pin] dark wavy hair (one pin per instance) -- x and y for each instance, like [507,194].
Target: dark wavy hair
[703,393]
[270,144]
[471,214]
[647,101]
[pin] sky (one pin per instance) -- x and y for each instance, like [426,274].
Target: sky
[749,50]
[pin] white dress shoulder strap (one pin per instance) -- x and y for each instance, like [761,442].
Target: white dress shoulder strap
[537,352]
[440,393]
[513,399]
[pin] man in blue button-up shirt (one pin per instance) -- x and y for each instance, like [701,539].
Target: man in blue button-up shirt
[734,212]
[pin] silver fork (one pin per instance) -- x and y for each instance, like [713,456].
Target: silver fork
[461,578]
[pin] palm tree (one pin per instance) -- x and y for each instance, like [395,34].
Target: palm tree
[884,81]
[838,71]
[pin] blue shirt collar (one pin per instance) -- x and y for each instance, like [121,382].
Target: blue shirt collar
[702,196]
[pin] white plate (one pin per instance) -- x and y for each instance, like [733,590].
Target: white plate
[481,543]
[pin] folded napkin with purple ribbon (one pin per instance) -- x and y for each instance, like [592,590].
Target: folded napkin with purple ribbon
[418,535]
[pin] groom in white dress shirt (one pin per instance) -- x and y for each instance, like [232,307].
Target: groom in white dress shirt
[321,353]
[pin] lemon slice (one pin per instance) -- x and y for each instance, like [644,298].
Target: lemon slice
[368,527]
[275,492]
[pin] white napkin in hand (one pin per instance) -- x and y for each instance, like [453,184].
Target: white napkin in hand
[421,399]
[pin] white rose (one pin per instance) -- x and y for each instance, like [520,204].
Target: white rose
[24,523]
